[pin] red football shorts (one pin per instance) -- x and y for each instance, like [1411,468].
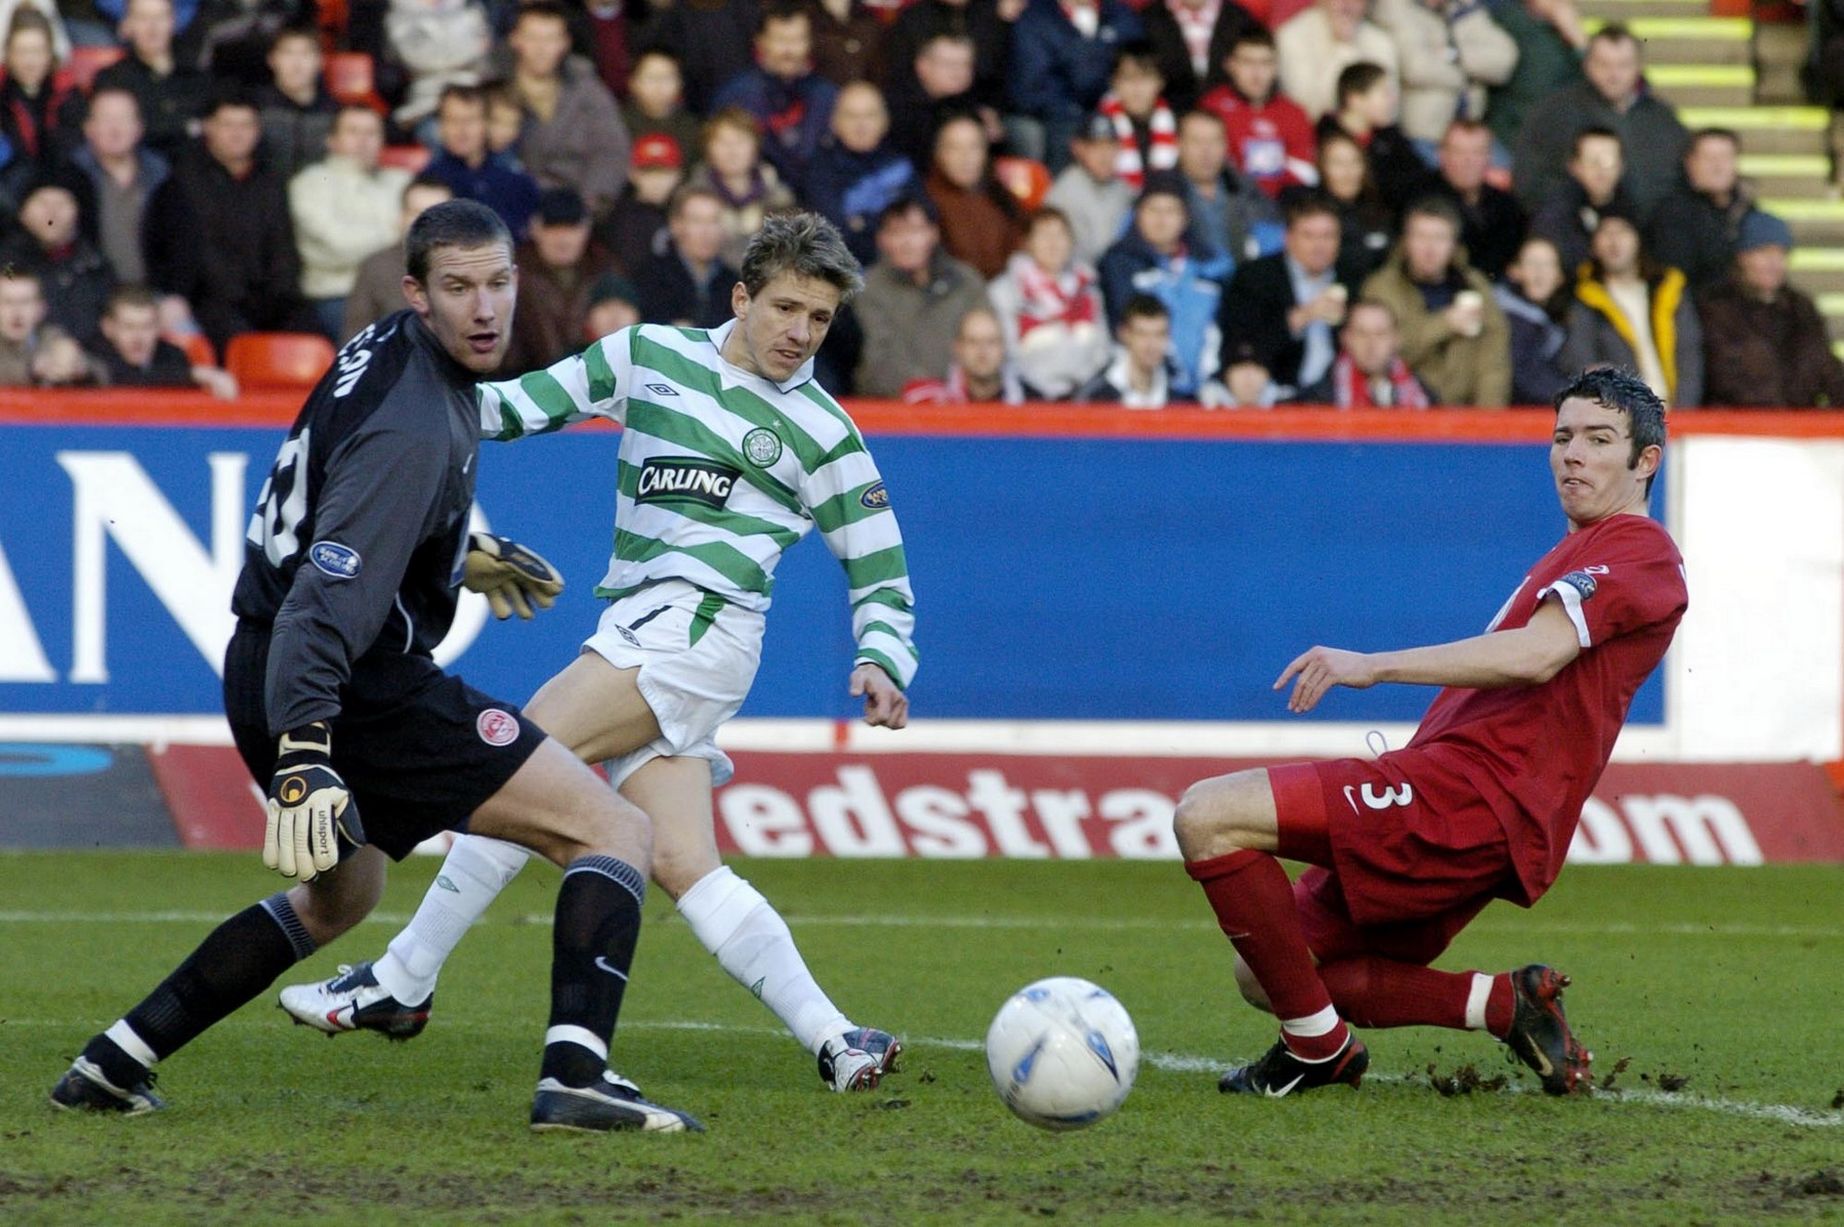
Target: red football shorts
[1408,853]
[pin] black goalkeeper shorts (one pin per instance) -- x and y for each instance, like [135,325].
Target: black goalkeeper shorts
[421,750]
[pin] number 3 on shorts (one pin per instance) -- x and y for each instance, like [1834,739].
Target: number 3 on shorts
[1403,794]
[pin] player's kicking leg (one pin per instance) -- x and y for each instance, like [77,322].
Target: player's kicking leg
[599,712]
[236,962]
[1228,831]
[559,809]
[736,924]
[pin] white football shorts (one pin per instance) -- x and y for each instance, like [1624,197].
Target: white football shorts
[697,655]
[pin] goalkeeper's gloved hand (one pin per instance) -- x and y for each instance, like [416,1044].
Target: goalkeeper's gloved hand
[511,576]
[310,807]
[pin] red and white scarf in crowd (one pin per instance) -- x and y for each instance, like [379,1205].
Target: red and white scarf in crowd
[1162,153]
[1068,297]
[1351,387]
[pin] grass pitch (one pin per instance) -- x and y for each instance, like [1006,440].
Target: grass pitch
[1716,992]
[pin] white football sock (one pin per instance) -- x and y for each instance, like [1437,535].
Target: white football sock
[1476,997]
[753,944]
[476,870]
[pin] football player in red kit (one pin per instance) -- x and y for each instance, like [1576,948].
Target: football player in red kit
[1480,805]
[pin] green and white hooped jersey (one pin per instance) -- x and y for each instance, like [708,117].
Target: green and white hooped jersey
[720,471]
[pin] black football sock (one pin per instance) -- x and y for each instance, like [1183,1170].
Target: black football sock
[592,947]
[239,959]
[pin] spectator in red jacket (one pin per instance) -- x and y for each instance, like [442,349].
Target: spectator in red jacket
[1271,140]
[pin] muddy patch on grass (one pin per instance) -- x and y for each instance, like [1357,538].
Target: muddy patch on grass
[1465,1081]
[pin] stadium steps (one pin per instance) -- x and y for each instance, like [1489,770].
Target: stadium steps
[1768,129]
[1703,85]
[1629,11]
[1691,40]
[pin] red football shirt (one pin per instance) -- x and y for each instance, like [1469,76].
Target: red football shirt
[1535,752]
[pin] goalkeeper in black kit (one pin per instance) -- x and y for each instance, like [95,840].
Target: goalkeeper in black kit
[366,748]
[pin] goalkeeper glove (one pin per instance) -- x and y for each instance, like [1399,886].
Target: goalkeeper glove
[511,576]
[310,807]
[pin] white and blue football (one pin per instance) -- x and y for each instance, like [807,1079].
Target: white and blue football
[1062,1053]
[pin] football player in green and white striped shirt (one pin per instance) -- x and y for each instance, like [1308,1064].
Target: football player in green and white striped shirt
[730,453]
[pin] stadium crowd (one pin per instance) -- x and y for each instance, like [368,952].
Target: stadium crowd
[1404,203]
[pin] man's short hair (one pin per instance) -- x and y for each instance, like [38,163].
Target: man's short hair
[541,8]
[1139,53]
[960,328]
[453,223]
[1617,388]
[1311,203]
[1439,207]
[425,183]
[472,95]
[362,108]
[1612,32]
[1254,36]
[130,294]
[664,53]
[781,10]
[946,36]
[806,245]
[1048,213]
[730,117]
[1372,304]
[685,193]
[1202,115]
[15,272]
[1713,134]
[1358,78]
[105,91]
[294,32]
[230,97]
[904,205]
[1594,132]
[1471,127]
[1144,307]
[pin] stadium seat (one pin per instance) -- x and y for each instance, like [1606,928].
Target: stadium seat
[86,62]
[278,360]
[1024,178]
[198,348]
[406,157]
[333,18]
[350,78]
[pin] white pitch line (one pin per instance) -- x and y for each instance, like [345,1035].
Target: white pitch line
[1177,1063]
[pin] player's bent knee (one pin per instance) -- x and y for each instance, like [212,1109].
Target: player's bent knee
[559,809]
[341,897]
[1224,814]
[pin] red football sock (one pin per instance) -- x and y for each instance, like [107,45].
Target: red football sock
[1379,992]
[1253,902]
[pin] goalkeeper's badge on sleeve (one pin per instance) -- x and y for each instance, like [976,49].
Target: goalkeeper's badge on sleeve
[511,576]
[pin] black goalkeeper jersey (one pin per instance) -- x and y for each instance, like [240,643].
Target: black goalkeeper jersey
[356,544]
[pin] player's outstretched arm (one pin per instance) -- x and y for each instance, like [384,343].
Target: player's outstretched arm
[1526,656]
[885,704]
[593,383]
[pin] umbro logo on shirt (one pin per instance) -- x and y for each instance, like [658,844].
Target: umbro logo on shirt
[662,389]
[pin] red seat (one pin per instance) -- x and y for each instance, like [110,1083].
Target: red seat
[198,348]
[86,62]
[405,157]
[1024,178]
[350,77]
[278,360]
